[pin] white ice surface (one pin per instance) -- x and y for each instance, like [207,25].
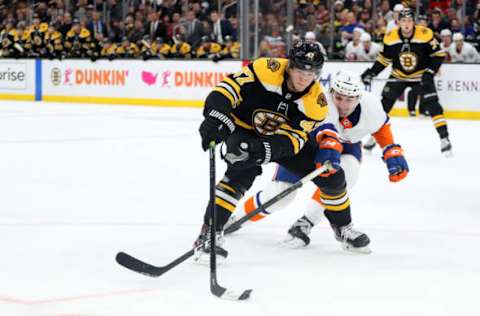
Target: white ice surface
[80,182]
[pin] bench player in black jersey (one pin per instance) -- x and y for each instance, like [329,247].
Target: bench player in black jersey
[415,56]
[264,114]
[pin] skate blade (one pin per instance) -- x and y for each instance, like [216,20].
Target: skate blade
[448,154]
[294,243]
[362,250]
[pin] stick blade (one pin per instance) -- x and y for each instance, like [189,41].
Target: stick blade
[223,293]
[236,296]
[134,264]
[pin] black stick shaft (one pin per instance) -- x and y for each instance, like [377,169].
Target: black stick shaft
[213,220]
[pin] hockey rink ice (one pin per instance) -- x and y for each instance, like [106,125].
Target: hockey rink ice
[79,183]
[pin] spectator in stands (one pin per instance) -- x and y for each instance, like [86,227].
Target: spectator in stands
[422,20]
[81,11]
[394,22]
[175,26]
[368,49]
[137,33]
[468,29]
[66,24]
[455,26]
[220,27]
[117,31]
[353,48]
[194,29]
[310,37]
[97,25]
[458,6]
[446,39]
[234,21]
[451,14]
[346,31]
[438,23]
[385,11]
[156,27]
[312,26]
[365,17]
[264,49]
[275,41]
[380,29]
[322,15]
[462,52]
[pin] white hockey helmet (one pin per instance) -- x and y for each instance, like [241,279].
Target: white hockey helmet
[457,36]
[347,83]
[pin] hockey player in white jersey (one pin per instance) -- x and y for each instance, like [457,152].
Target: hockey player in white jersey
[369,50]
[355,114]
[462,52]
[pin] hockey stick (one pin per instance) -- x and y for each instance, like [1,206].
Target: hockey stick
[142,267]
[309,177]
[396,80]
[215,288]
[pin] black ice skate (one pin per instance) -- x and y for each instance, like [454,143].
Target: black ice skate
[202,246]
[446,147]
[351,239]
[298,233]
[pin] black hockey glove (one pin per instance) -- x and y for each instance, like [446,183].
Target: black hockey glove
[216,126]
[367,76]
[427,79]
[244,154]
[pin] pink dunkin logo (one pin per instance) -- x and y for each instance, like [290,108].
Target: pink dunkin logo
[68,73]
[165,76]
[149,78]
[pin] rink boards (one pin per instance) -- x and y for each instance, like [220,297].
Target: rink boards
[185,83]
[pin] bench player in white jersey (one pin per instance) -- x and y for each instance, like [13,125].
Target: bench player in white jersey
[355,114]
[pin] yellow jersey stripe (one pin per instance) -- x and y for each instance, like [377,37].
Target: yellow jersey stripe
[401,75]
[338,208]
[234,85]
[300,133]
[229,188]
[383,60]
[439,53]
[224,204]
[293,140]
[225,92]
[241,123]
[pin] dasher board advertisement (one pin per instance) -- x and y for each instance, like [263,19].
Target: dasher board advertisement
[155,82]
[17,79]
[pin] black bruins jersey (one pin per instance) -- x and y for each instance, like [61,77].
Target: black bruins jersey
[410,56]
[258,99]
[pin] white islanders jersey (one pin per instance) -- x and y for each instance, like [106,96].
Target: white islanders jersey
[367,118]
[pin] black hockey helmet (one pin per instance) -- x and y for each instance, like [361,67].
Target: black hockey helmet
[406,13]
[306,56]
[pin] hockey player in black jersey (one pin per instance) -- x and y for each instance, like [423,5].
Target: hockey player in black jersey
[265,114]
[415,56]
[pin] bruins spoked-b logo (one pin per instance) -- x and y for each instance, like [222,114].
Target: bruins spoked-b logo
[266,123]
[56,76]
[273,64]
[408,60]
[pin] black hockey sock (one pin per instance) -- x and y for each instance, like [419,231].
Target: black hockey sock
[227,196]
[339,219]
[440,125]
